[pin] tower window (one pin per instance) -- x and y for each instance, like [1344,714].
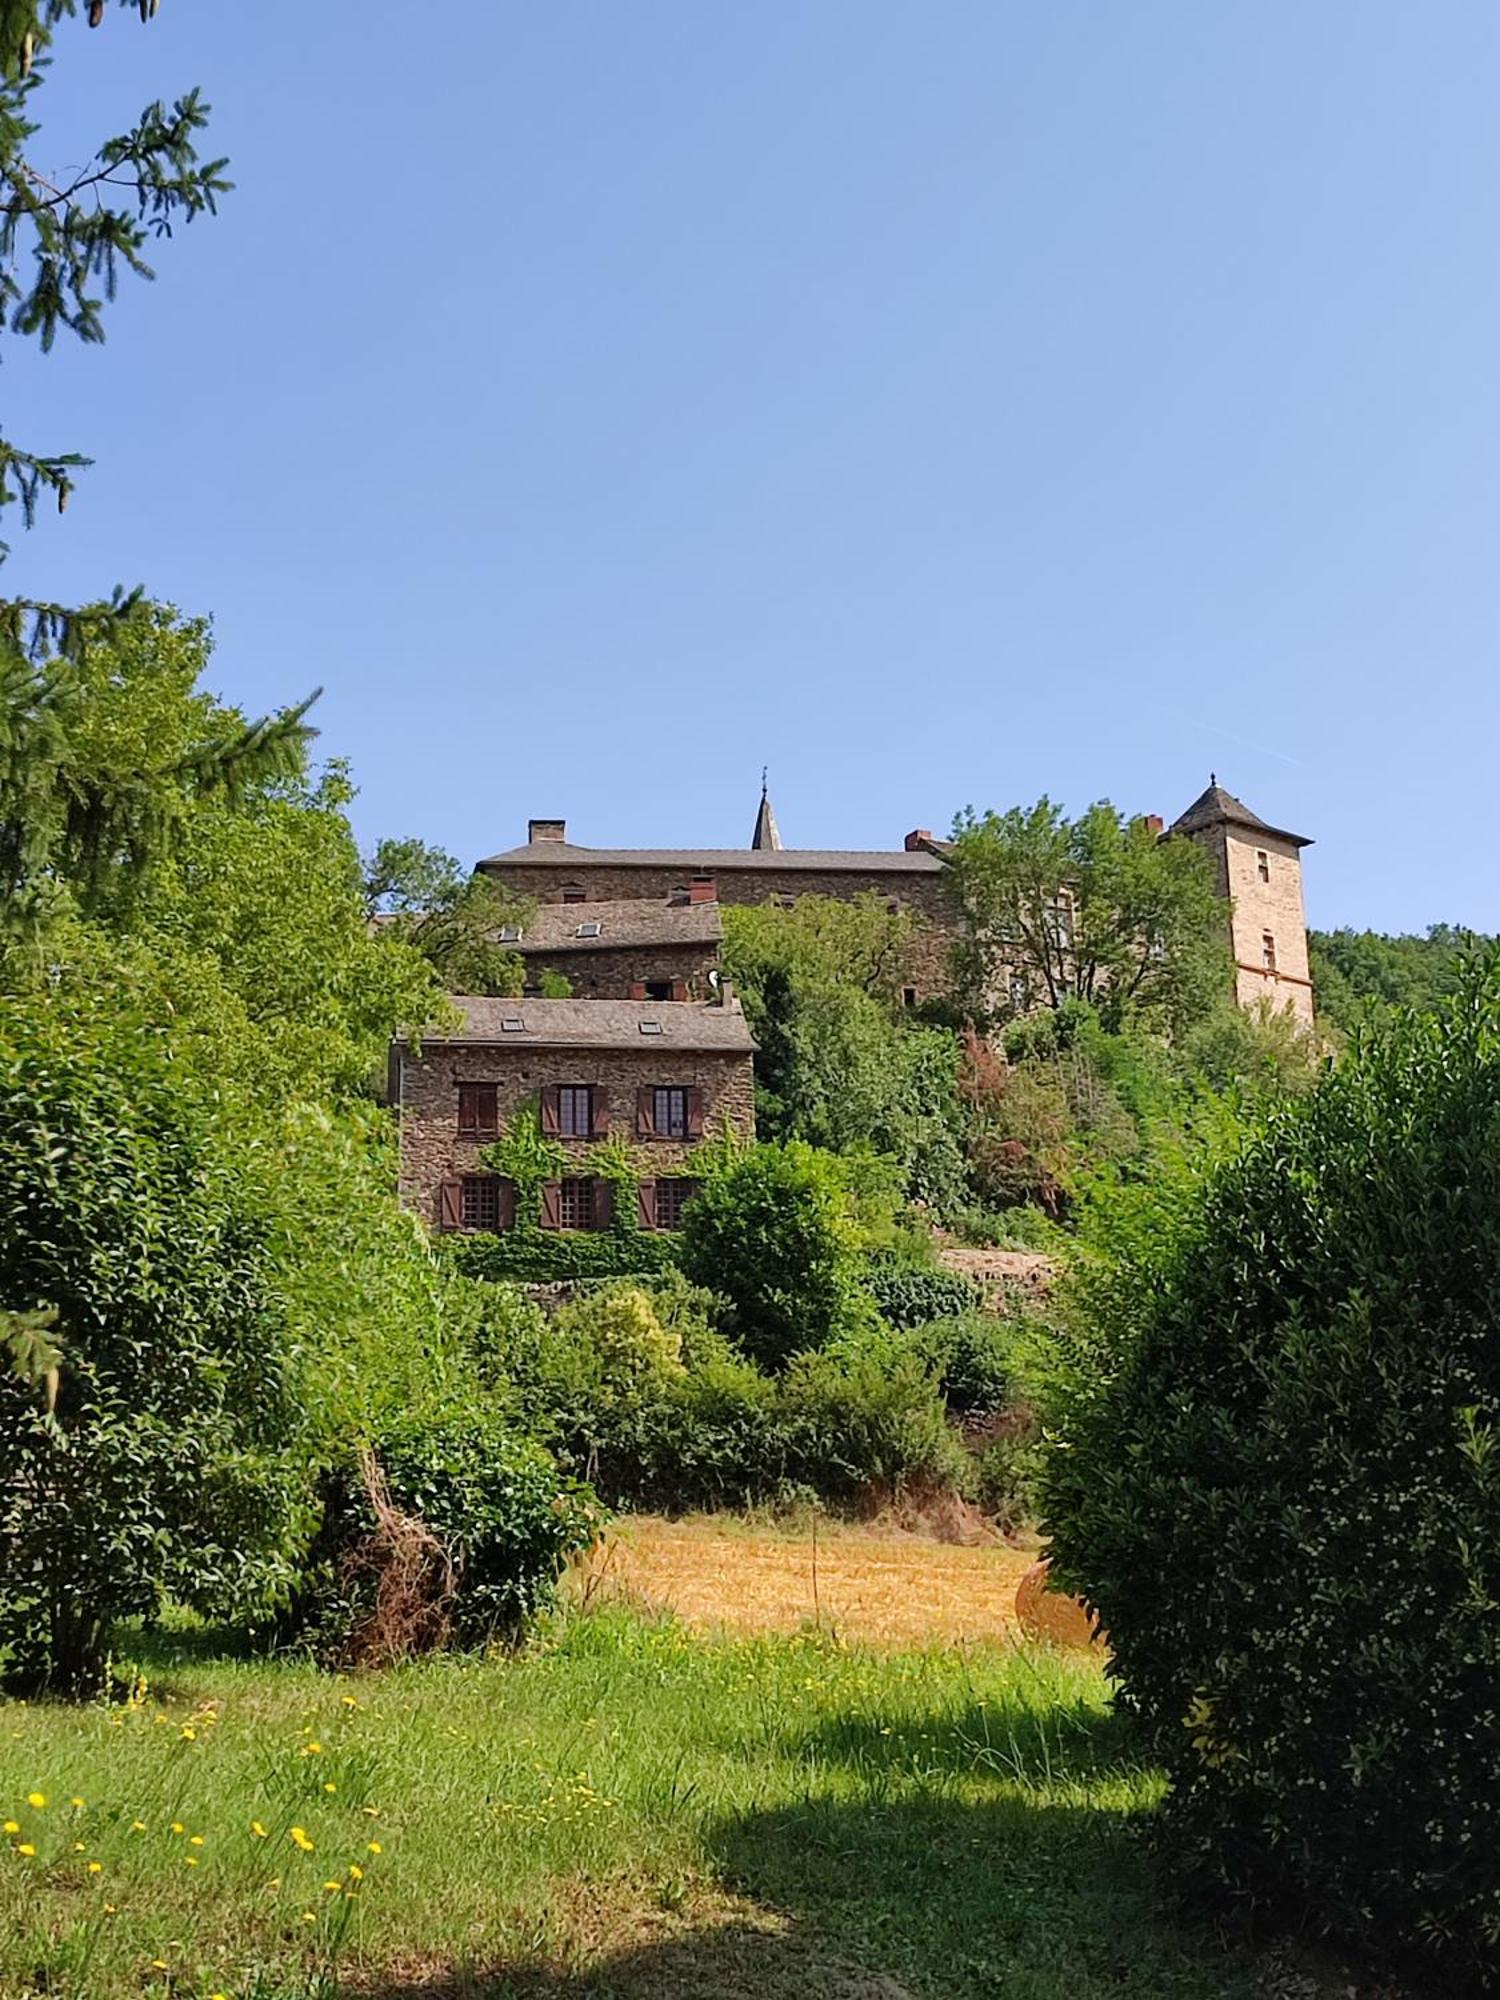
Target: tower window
[1268,951]
[1262,864]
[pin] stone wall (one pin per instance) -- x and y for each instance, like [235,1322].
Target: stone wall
[427,1101]
[1260,907]
[608,973]
[923,893]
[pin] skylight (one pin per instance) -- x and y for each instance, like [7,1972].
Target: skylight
[512,1025]
[589,930]
[510,934]
[651,1027]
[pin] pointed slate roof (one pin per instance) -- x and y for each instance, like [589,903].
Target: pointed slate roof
[767,834]
[1216,807]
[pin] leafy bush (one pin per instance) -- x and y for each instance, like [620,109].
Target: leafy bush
[1284,1496]
[170,1461]
[1010,1474]
[906,1297]
[543,1256]
[493,1500]
[771,1230]
[971,1357]
[863,1427]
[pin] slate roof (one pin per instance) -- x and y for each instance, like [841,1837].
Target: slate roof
[709,860]
[1216,807]
[554,927]
[767,834]
[598,1024]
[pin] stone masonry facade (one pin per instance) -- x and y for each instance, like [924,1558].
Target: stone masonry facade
[616,975]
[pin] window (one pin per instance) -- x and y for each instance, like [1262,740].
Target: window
[591,929]
[574,892]
[908,996]
[1268,951]
[478,1111]
[1060,922]
[669,1112]
[672,1197]
[658,989]
[576,1204]
[1263,864]
[481,1202]
[512,1025]
[575,1111]
[651,1027]
[510,934]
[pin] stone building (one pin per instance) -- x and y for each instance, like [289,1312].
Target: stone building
[1260,878]
[664,1075]
[637,948]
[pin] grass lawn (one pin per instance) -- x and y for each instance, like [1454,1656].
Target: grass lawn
[630,1809]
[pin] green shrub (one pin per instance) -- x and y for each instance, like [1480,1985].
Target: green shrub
[1284,1495]
[905,1297]
[632,1351]
[494,1501]
[862,1427]
[1010,1473]
[971,1357]
[772,1231]
[170,1464]
[545,1256]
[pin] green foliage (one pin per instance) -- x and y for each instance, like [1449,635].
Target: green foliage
[840,1064]
[1361,978]
[970,1355]
[495,1503]
[907,1297]
[450,915]
[1095,909]
[1279,1487]
[527,1251]
[170,1460]
[773,1233]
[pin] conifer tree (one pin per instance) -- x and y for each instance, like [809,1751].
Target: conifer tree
[64,242]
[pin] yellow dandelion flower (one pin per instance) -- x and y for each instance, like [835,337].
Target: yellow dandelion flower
[189,1734]
[190,1860]
[333,1887]
[158,1965]
[36,1799]
[137,1826]
[258,1830]
[79,1848]
[12,1826]
[356,1872]
[300,1839]
[309,1917]
[195,1840]
[274,1883]
[110,1910]
[313,1750]
[348,1701]
[375,1847]
[76,1802]
[178,1827]
[27,1849]
[96,1868]
[330,1788]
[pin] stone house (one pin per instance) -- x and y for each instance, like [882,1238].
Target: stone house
[663,1075]
[638,948]
[1259,869]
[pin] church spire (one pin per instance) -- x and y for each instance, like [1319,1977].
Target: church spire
[767,834]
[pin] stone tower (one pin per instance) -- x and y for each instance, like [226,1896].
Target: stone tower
[1260,874]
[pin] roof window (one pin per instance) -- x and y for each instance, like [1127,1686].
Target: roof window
[651,1027]
[593,929]
[510,934]
[512,1024]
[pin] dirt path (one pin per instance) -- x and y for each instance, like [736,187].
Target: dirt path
[877,1586]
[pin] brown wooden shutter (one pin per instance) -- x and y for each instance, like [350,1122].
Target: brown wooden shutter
[551,1114]
[598,1111]
[645,1112]
[552,1204]
[679,989]
[695,1114]
[645,1204]
[604,1203]
[478,1111]
[507,1205]
[451,1205]
[637,989]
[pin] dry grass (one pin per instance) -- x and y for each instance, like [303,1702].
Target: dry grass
[872,1586]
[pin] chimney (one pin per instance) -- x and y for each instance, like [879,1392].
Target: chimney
[917,839]
[1155,824]
[703,889]
[725,991]
[546,829]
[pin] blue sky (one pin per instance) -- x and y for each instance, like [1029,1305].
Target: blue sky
[942,405]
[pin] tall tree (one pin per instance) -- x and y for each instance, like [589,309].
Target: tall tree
[452,917]
[64,243]
[1098,909]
